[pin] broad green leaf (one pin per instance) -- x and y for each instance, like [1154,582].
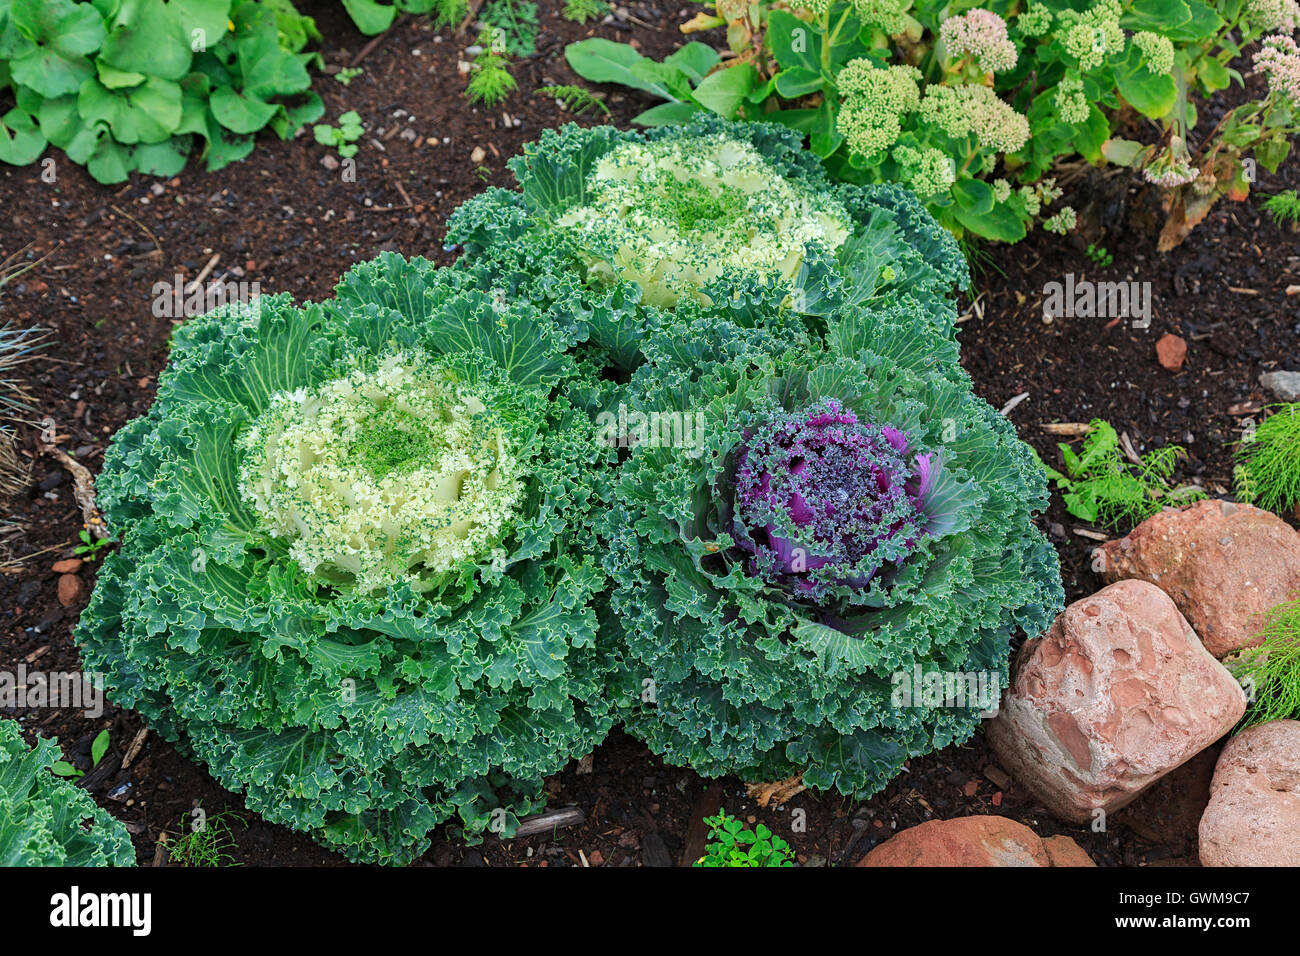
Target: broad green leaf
[695,59]
[666,114]
[604,61]
[999,223]
[370,17]
[240,112]
[158,37]
[973,196]
[798,81]
[161,159]
[62,34]
[723,92]
[793,42]
[148,113]
[21,141]
[1152,95]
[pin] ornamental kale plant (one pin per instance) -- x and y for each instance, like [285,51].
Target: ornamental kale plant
[354,576]
[43,820]
[972,107]
[613,232]
[850,519]
[124,87]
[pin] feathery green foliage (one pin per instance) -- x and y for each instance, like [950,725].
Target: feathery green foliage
[1272,670]
[43,820]
[580,11]
[1268,465]
[1284,207]
[575,99]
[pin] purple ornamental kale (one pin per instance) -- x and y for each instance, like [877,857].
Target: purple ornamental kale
[823,499]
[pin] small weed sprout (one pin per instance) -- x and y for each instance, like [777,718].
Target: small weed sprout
[98,747]
[206,845]
[1099,255]
[735,845]
[342,137]
[90,545]
[1101,486]
[346,76]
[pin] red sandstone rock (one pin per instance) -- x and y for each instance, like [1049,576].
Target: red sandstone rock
[1116,694]
[1062,851]
[66,566]
[1224,564]
[975,841]
[70,589]
[1254,814]
[1171,351]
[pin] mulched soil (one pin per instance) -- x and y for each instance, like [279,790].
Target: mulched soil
[285,220]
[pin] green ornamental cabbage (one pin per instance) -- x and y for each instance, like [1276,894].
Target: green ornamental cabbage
[610,231]
[812,582]
[43,819]
[354,577]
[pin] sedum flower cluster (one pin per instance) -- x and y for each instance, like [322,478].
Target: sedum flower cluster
[1071,103]
[1091,35]
[926,171]
[1279,60]
[977,111]
[1273,16]
[1157,51]
[981,34]
[875,102]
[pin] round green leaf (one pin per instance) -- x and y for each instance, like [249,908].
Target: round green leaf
[20,139]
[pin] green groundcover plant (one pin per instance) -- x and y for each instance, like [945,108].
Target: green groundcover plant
[132,85]
[354,577]
[611,231]
[1100,485]
[1268,462]
[45,821]
[734,844]
[972,106]
[816,580]
[1271,671]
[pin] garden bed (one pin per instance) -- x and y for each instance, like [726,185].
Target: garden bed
[283,219]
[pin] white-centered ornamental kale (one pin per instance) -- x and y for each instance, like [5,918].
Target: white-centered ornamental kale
[354,576]
[828,579]
[610,232]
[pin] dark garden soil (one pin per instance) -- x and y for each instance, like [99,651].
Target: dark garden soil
[285,219]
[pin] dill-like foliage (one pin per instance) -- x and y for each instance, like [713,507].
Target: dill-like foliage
[575,99]
[1284,207]
[1268,464]
[1271,672]
[492,81]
